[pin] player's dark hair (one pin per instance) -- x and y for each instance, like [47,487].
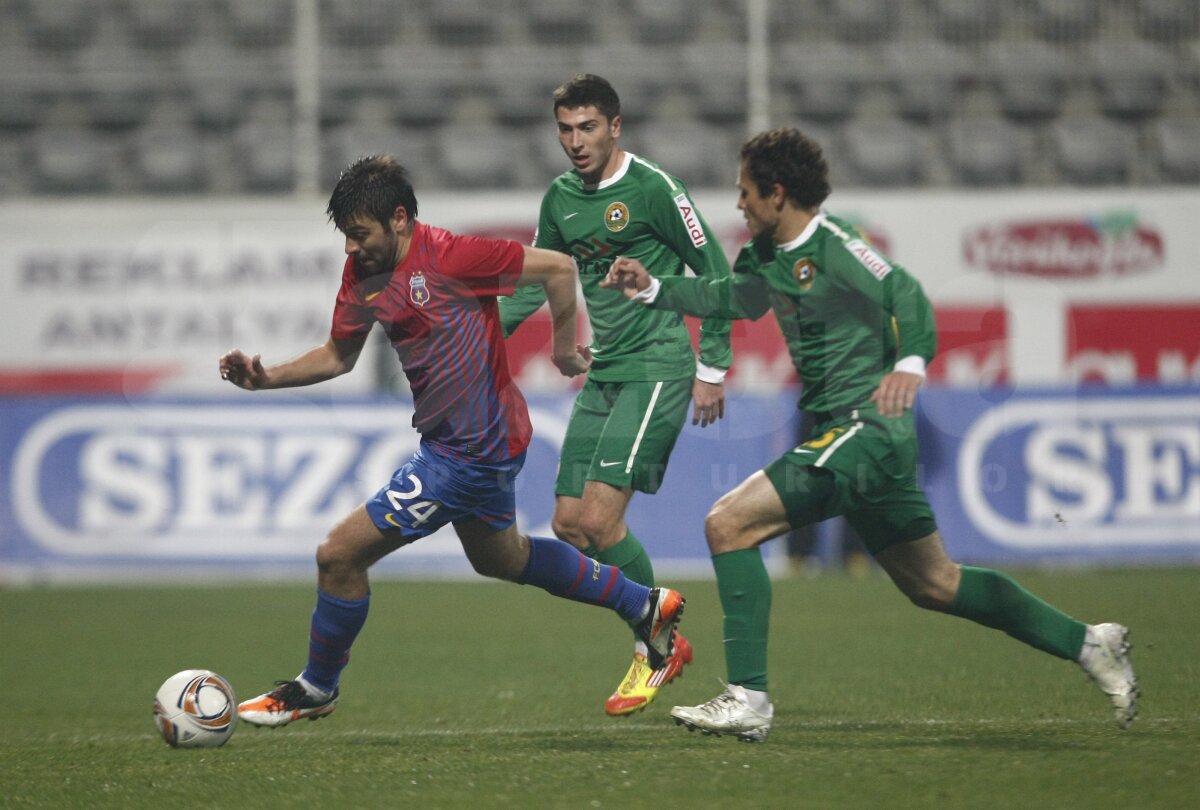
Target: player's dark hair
[588,90]
[374,186]
[788,157]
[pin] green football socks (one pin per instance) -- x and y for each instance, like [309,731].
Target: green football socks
[745,590]
[629,556]
[996,600]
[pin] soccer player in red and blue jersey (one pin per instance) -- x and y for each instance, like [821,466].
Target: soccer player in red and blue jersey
[434,294]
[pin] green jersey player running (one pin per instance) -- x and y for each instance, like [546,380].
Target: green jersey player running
[644,372]
[860,331]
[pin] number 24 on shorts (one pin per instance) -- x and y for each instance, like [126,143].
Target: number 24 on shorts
[421,510]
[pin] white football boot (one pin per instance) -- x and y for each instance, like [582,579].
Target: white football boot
[729,713]
[1105,659]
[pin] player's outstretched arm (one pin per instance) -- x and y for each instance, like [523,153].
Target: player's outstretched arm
[556,273]
[627,275]
[331,359]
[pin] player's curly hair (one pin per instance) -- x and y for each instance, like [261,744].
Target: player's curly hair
[374,186]
[588,90]
[788,157]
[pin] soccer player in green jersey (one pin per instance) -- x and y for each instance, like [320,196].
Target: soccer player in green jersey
[644,371]
[860,331]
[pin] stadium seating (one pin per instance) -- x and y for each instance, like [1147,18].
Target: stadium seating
[985,152]
[71,160]
[60,26]
[360,23]
[864,21]
[489,157]
[1093,151]
[966,20]
[656,22]
[927,76]
[1030,77]
[265,156]
[260,24]
[823,80]
[163,23]
[1051,84]
[697,153]
[1131,77]
[1168,20]
[716,78]
[885,153]
[1178,143]
[1066,20]
[168,159]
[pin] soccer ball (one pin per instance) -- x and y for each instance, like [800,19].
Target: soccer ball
[195,709]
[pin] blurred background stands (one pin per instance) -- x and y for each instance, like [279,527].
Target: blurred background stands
[202,96]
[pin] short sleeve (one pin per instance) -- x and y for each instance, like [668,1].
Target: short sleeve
[350,316]
[486,266]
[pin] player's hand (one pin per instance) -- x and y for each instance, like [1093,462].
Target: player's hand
[575,363]
[708,402]
[896,393]
[627,275]
[242,371]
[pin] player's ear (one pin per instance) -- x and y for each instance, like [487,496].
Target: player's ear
[400,218]
[778,195]
[615,124]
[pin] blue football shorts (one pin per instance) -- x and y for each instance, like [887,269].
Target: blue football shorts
[430,491]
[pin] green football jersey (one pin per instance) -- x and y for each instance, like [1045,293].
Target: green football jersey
[646,214]
[846,312]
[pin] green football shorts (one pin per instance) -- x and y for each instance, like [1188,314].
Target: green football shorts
[861,465]
[622,433]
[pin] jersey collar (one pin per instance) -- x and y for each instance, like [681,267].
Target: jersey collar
[617,175]
[805,234]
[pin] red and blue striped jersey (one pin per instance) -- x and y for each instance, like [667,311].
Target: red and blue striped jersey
[438,308]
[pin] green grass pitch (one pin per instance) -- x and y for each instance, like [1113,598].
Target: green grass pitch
[482,695]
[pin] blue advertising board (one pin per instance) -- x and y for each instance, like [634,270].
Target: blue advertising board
[1089,475]
[248,486]
[155,488]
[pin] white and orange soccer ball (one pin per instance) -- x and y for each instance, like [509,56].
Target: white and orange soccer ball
[195,708]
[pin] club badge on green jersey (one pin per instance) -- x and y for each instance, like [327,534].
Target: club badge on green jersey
[616,216]
[805,272]
[418,291]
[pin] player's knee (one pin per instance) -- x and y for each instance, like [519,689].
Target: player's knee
[722,529]
[493,568]
[601,530]
[334,558]
[930,595]
[566,527]
[499,561]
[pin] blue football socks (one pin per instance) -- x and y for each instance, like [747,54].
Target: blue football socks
[561,569]
[335,625]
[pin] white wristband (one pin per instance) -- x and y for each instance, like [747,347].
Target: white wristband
[913,364]
[648,295]
[710,374]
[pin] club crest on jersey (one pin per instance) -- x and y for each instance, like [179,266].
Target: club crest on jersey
[616,216]
[805,272]
[418,290]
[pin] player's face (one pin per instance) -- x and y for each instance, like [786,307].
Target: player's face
[759,211]
[375,248]
[590,141]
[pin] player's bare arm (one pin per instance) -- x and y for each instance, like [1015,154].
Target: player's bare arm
[556,273]
[896,392]
[320,363]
